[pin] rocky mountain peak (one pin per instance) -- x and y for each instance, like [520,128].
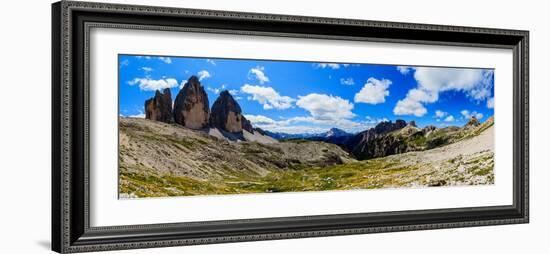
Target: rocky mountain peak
[389,126]
[429,129]
[412,123]
[473,122]
[191,105]
[193,79]
[226,114]
[335,132]
[159,108]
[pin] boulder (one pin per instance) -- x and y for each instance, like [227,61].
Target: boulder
[159,108]
[191,107]
[226,114]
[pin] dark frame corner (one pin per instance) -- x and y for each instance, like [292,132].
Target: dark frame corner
[70,229]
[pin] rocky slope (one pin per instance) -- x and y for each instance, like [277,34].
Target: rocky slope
[159,159]
[468,161]
[152,147]
[389,138]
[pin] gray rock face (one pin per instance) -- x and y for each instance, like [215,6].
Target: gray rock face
[260,130]
[247,125]
[429,128]
[374,143]
[159,108]
[473,122]
[191,105]
[385,127]
[226,114]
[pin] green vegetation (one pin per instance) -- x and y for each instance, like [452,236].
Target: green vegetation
[437,140]
[370,174]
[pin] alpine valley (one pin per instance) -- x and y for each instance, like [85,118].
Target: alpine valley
[184,147]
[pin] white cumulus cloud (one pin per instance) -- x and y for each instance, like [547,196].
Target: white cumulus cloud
[267,96]
[404,69]
[258,74]
[167,60]
[284,126]
[423,95]
[326,107]
[148,84]
[467,114]
[450,119]
[413,102]
[204,74]
[373,92]
[475,83]
[260,120]
[440,114]
[409,106]
[325,112]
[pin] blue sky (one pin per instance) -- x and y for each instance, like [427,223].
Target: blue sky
[308,97]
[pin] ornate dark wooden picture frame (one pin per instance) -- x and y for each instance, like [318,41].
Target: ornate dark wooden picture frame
[71,229]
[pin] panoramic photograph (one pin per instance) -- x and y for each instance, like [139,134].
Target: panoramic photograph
[214,126]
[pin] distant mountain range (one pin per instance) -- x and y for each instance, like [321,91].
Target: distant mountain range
[334,132]
[388,138]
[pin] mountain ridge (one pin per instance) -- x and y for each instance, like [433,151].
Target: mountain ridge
[158,159]
[191,110]
[388,138]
